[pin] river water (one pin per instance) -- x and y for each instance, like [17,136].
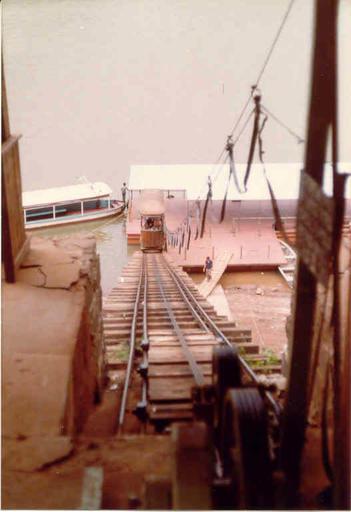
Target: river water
[97,86]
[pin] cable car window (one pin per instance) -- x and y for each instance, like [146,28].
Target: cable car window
[152,223]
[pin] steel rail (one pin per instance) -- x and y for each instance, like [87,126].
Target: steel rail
[197,373]
[190,306]
[145,338]
[213,326]
[142,405]
[132,340]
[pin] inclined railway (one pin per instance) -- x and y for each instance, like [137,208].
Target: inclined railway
[186,363]
[177,342]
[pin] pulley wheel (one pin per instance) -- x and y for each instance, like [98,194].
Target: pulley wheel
[244,444]
[226,374]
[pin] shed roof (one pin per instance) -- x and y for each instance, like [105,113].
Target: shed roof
[65,194]
[152,202]
[284,177]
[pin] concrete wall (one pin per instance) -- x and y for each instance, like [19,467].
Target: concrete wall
[52,339]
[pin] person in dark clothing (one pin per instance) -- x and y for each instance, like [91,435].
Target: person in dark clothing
[208,268]
[124,193]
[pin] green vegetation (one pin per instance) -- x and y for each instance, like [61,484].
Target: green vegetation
[271,356]
[122,352]
[266,358]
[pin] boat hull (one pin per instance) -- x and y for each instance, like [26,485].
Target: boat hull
[75,219]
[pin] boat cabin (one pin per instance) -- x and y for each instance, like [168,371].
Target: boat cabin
[152,210]
[64,205]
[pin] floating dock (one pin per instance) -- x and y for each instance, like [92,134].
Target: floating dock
[247,233]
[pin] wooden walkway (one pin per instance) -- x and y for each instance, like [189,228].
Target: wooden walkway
[219,266]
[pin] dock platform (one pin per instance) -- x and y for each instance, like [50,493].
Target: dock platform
[247,233]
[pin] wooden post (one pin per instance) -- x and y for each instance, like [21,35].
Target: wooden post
[321,115]
[14,242]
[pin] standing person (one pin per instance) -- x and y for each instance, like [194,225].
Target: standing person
[198,208]
[209,183]
[197,216]
[208,268]
[124,193]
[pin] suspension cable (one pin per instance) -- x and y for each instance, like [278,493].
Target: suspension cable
[265,64]
[299,139]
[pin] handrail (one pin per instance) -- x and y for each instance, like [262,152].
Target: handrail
[131,350]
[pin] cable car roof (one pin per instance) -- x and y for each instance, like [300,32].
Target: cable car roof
[151,202]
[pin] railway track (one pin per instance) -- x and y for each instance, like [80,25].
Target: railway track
[167,332]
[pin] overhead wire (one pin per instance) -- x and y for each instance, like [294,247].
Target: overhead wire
[299,139]
[275,41]
[265,64]
[253,89]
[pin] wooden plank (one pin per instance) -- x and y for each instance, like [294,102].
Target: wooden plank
[159,371]
[177,356]
[172,389]
[219,267]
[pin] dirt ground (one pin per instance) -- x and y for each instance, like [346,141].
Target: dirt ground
[124,461]
[259,301]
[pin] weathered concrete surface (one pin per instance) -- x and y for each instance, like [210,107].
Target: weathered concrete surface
[35,453]
[126,463]
[52,342]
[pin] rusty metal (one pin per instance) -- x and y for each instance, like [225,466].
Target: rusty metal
[221,337]
[197,373]
[185,298]
[132,341]
[226,374]
[141,408]
[246,459]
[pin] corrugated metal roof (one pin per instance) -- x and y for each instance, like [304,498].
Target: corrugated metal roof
[284,177]
[65,194]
